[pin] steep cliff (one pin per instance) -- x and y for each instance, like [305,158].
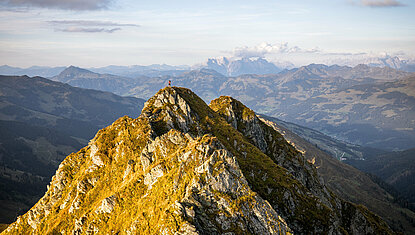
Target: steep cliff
[181,168]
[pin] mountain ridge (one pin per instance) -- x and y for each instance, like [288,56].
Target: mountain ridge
[84,78]
[188,165]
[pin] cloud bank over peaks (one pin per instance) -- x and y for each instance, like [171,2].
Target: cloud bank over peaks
[78,5]
[285,55]
[396,61]
[264,49]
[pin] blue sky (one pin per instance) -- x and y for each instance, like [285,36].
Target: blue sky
[93,33]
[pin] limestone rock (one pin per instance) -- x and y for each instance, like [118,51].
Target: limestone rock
[107,205]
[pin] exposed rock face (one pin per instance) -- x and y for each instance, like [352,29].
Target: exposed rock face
[180,168]
[107,205]
[271,143]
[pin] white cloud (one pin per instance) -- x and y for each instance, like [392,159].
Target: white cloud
[60,4]
[264,49]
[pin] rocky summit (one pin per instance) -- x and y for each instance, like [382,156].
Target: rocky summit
[183,167]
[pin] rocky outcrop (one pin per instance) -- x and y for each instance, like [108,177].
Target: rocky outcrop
[271,143]
[180,168]
[107,205]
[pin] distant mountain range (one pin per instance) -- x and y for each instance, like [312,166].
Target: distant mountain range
[229,67]
[392,62]
[132,71]
[42,71]
[364,105]
[122,71]
[41,122]
[225,65]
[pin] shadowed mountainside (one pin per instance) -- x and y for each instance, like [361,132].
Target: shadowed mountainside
[345,180]
[396,169]
[41,122]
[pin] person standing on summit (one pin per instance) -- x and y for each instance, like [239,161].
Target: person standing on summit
[169,83]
